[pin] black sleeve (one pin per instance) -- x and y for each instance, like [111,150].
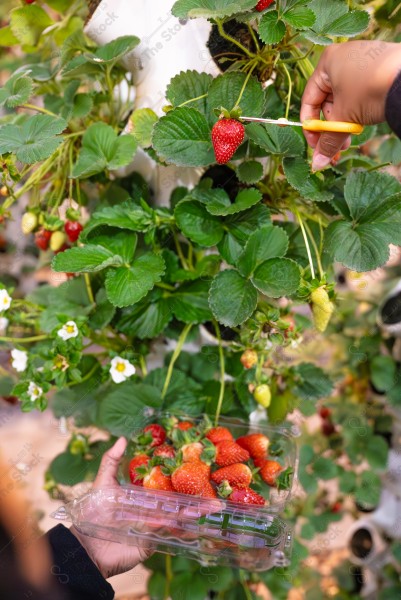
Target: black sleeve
[73,568]
[393,106]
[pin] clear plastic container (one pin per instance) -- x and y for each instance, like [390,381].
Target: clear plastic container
[213,532]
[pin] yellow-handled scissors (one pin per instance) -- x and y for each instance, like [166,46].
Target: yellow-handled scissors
[312,124]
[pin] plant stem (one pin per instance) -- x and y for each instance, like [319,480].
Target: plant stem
[39,109]
[316,249]
[85,377]
[176,353]
[222,374]
[72,135]
[255,39]
[245,84]
[144,368]
[89,288]
[287,109]
[301,224]
[28,340]
[192,100]
[244,585]
[169,577]
[233,40]
[165,286]
[180,252]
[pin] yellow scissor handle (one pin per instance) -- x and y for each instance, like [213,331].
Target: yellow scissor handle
[336,126]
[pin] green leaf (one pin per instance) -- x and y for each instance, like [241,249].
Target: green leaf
[197,223]
[376,452]
[16,91]
[264,244]
[221,205]
[68,469]
[128,285]
[28,23]
[147,319]
[143,121]
[347,482]
[85,259]
[271,28]
[300,17]
[299,176]
[157,585]
[225,90]
[115,50]
[183,394]
[383,372]
[59,5]
[281,141]
[103,149]
[187,85]
[127,215]
[190,304]
[122,411]
[34,140]
[250,172]
[104,311]
[368,490]
[277,277]
[334,19]
[210,9]
[243,298]
[121,243]
[360,241]
[7,38]
[182,137]
[239,227]
[324,468]
[313,383]
[308,481]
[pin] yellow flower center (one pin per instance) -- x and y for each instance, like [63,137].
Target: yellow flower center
[120,367]
[70,328]
[5,300]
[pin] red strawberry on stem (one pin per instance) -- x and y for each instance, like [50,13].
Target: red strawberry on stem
[237,475]
[184,425]
[42,239]
[227,136]
[219,434]
[73,229]
[157,432]
[229,452]
[257,444]
[138,461]
[263,4]
[246,496]
[156,480]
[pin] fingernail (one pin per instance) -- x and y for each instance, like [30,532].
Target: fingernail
[319,162]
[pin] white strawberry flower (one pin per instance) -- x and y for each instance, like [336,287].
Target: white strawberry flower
[121,369]
[34,391]
[5,300]
[3,324]
[20,360]
[68,330]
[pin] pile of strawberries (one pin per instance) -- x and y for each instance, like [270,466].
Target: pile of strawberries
[200,460]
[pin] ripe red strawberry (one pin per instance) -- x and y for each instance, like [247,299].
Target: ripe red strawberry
[257,444]
[158,434]
[156,480]
[237,475]
[246,496]
[73,229]
[137,461]
[227,136]
[337,506]
[208,491]
[184,425]
[29,1]
[42,239]
[191,478]
[229,452]
[324,412]
[219,434]
[269,471]
[192,452]
[165,451]
[263,4]
[328,428]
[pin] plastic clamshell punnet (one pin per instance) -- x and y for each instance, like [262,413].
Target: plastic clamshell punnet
[213,532]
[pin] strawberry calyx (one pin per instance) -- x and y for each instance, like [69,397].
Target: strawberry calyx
[224,489]
[223,113]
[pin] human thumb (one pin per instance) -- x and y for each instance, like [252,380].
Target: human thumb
[328,146]
[107,474]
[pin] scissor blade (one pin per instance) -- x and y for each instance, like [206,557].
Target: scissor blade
[282,122]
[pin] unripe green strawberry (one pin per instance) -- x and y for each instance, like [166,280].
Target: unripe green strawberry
[29,222]
[322,308]
[57,240]
[262,395]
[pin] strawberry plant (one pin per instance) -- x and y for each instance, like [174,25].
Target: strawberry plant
[243,263]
